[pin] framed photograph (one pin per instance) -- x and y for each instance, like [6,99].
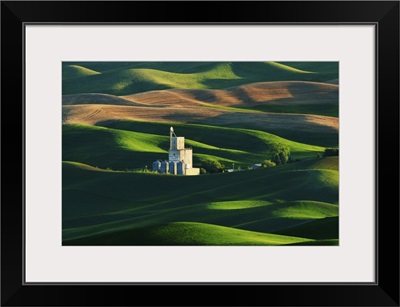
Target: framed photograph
[206,152]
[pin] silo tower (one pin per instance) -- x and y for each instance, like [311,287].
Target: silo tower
[179,154]
[177,150]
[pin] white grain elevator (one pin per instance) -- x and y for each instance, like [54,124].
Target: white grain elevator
[180,155]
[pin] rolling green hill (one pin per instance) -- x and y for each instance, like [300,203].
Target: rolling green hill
[318,67]
[186,233]
[268,200]
[127,78]
[246,140]
[76,71]
[319,229]
[122,145]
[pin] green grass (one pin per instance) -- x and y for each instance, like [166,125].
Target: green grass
[127,78]
[76,71]
[287,67]
[319,229]
[186,233]
[293,209]
[317,67]
[331,163]
[178,67]
[237,204]
[124,145]
[111,148]
[265,200]
[307,210]
[328,242]
[218,133]
[317,138]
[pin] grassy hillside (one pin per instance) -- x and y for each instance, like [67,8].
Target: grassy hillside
[76,71]
[110,148]
[125,145]
[186,233]
[318,67]
[318,138]
[269,200]
[327,228]
[128,78]
[246,140]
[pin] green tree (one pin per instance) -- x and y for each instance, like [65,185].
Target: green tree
[280,154]
[212,166]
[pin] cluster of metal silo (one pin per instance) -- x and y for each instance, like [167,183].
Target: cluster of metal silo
[171,167]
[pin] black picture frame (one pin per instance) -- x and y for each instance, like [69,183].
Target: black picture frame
[383,14]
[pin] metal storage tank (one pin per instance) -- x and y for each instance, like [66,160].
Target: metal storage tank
[180,168]
[172,167]
[156,166]
[164,167]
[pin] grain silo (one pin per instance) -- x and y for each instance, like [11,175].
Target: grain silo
[179,154]
[164,167]
[172,167]
[156,166]
[181,168]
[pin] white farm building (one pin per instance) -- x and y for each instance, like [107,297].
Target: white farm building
[180,159]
